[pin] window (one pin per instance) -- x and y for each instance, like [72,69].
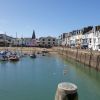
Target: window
[90,40]
[48,42]
[53,39]
[94,40]
[99,46]
[1,37]
[9,40]
[48,39]
[43,39]
[43,42]
[99,40]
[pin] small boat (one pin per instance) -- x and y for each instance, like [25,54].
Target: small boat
[33,56]
[3,57]
[14,58]
[43,54]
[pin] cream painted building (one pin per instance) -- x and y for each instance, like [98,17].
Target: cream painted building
[48,41]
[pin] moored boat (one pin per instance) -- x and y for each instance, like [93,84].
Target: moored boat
[14,58]
[33,56]
[43,54]
[3,56]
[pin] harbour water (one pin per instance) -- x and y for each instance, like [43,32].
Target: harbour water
[37,79]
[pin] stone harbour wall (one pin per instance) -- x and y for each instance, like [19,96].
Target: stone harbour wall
[90,58]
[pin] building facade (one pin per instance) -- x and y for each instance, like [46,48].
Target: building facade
[5,40]
[86,38]
[97,38]
[48,41]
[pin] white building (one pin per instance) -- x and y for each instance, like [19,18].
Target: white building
[64,39]
[96,38]
[88,38]
[59,41]
[22,42]
[72,39]
[91,39]
[76,38]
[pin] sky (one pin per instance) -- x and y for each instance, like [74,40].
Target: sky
[47,17]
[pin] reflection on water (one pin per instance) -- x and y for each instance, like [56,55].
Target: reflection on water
[87,79]
[37,79]
[71,97]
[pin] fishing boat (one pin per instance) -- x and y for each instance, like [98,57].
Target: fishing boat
[33,55]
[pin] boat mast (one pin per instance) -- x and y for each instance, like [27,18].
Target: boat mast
[16,42]
[21,43]
[5,41]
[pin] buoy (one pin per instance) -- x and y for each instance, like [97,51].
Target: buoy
[66,91]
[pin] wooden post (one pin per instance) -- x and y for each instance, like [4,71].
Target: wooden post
[66,91]
[84,58]
[77,54]
[80,56]
[66,54]
[97,63]
[90,58]
[63,51]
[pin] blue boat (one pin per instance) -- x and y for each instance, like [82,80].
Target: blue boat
[3,56]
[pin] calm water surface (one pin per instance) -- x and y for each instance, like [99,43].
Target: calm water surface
[37,79]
